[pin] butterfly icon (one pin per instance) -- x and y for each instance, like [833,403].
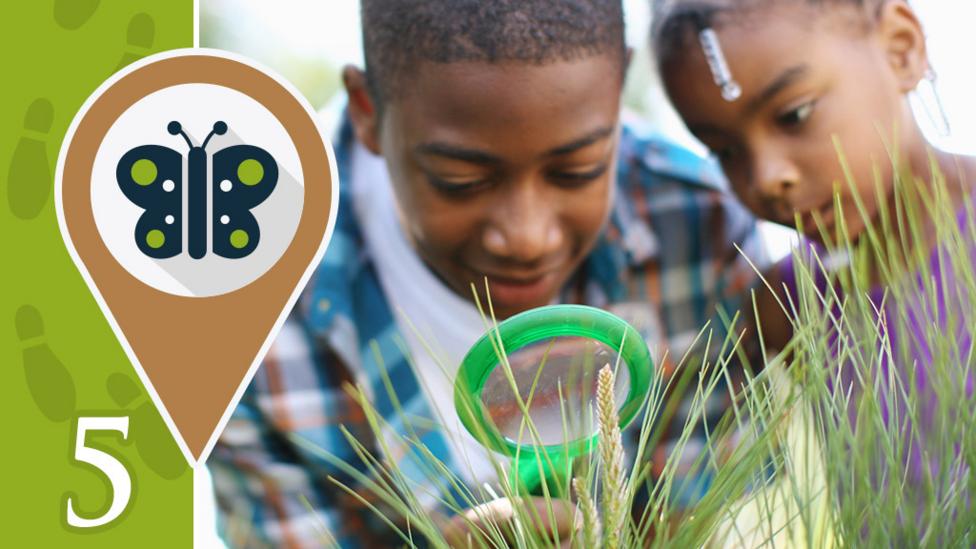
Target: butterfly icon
[241,177]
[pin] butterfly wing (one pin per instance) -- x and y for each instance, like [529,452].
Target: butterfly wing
[151,177]
[243,177]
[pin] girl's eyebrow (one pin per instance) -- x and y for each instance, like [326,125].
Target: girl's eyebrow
[706,129]
[780,83]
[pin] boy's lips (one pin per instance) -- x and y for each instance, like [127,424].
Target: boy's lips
[518,290]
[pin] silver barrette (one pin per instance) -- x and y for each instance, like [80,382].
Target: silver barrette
[717,64]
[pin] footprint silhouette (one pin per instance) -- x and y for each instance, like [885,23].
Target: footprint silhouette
[29,176]
[149,433]
[139,39]
[49,382]
[72,14]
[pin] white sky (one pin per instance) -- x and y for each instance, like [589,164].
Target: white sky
[329,30]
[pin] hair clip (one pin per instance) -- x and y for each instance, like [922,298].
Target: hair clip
[717,64]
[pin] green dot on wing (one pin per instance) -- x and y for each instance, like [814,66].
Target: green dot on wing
[250,172]
[143,171]
[239,238]
[155,239]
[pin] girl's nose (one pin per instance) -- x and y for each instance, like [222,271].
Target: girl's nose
[774,177]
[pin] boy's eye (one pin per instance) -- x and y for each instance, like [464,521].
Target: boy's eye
[797,116]
[572,178]
[457,186]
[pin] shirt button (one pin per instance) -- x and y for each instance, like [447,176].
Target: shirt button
[324,305]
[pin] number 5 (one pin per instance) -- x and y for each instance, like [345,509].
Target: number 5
[117,474]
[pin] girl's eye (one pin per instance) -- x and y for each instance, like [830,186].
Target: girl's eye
[797,116]
[725,154]
[571,178]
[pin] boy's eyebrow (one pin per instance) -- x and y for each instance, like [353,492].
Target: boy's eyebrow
[588,139]
[457,153]
[785,78]
[475,156]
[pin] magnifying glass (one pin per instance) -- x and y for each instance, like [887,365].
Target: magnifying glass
[527,389]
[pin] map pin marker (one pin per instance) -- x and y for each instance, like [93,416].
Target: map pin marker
[196,194]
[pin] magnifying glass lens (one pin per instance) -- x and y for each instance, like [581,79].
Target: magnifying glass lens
[556,379]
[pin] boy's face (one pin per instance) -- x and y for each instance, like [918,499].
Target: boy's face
[808,75]
[504,171]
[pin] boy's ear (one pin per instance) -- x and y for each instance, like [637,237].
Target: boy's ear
[904,43]
[362,110]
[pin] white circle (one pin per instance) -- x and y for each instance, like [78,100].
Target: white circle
[197,107]
[168,185]
[224,220]
[226,185]
[169,219]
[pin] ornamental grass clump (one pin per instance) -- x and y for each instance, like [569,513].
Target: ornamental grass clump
[860,433]
[617,502]
[883,353]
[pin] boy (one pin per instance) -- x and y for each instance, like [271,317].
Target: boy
[482,142]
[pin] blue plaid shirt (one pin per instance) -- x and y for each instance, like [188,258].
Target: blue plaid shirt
[665,261]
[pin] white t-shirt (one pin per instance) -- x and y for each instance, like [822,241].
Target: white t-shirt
[429,315]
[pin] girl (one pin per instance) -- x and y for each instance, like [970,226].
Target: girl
[775,89]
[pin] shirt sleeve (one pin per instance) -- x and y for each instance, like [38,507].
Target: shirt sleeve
[275,487]
[708,254]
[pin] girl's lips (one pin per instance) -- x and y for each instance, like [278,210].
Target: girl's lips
[510,291]
[826,219]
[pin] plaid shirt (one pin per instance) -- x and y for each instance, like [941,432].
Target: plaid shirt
[664,263]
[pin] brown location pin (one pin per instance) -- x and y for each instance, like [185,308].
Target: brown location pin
[193,326]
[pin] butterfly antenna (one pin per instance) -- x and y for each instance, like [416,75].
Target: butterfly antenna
[174,128]
[219,128]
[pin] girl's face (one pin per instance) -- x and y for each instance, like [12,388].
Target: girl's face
[809,76]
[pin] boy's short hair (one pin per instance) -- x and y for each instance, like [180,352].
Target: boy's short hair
[397,34]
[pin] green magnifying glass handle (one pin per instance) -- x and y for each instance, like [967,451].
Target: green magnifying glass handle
[528,473]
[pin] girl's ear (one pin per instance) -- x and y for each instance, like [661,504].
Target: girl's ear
[904,43]
[362,111]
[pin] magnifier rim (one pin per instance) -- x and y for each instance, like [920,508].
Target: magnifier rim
[537,325]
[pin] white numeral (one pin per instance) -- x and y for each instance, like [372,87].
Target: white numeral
[117,475]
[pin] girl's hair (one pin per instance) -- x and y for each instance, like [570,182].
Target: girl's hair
[675,21]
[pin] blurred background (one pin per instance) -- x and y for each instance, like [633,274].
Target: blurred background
[308,42]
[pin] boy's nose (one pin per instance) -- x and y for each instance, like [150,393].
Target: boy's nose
[524,227]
